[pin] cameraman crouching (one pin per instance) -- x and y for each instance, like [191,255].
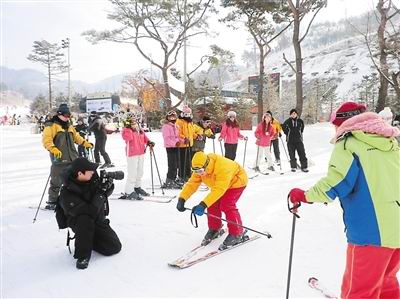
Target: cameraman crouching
[83,198]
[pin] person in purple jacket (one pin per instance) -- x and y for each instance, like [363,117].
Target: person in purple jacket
[230,133]
[136,142]
[171,142]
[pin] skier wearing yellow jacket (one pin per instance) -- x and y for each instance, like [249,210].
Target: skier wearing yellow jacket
[187,134]
[202,130]
[59,136]
[275,139]
[227,181]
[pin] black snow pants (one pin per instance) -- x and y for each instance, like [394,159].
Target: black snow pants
[299,147]
[92,235]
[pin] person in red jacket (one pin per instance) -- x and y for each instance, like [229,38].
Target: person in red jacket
[136,141]
[264,133]
[230,133]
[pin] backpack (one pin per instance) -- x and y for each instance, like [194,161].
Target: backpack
[60,215]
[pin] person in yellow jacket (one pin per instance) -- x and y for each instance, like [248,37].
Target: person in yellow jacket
[59,136]
[187,134]
[227,181]
[275,139]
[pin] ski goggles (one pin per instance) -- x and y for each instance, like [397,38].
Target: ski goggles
[171,113]
[201,170]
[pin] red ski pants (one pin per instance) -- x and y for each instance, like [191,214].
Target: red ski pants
[371,272]
[226,204]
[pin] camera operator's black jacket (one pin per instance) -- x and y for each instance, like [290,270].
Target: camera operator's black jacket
[90,198]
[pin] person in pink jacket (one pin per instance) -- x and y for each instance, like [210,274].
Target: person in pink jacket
[230,133]
[264,133]
[170,134]
[136,141]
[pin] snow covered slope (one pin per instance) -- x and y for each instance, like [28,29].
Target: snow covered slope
[36,262]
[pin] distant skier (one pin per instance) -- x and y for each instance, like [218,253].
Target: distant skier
[81,128]
[386,115]
[275,139]
[97,126]
[136,141]
[230,133]
[264,133]
[186,133]
[364,174]
[170,133]
[293,128]
[202,131]
[227,180]
[59,136]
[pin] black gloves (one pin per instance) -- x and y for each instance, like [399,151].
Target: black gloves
[212,136]
[181,205]
[150,143]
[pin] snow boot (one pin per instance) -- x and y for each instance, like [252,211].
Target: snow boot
[82,263]
[211,235]
[140,191]
[180,181]
[50,205]
[231,241]
[123,196]
[278,162]
[134,196]
[256,169]
[171,184]
[293,169]
[304,170]
[271,168]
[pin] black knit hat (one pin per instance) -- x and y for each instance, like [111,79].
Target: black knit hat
[293,110]
[82,164]
[269,112]
[63,110]
[206,118]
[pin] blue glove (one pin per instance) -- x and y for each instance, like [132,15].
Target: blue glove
[199,209]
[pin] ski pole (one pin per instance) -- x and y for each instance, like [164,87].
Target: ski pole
[292,210]
[184,165]
[220,144]
[192,215]
[214,145]
[151,172]
[244,155]
[284,149]
[44,190]
[158,172]
[258,151]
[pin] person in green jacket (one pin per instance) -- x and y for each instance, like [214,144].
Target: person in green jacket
[364,173]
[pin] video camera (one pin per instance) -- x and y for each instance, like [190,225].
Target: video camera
[106,180]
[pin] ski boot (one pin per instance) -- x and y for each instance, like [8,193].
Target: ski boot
[171,184]
[82,263]
[278,162]
[231,241]
[50,205]
[140,191]
[134,196]
[256,169]
[180,182]
[123,196]
[211,235]
[271,168]
[293,169]
[304,169]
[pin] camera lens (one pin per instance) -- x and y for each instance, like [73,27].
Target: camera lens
[116,175]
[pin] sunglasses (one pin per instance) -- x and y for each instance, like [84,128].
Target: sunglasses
[201,170]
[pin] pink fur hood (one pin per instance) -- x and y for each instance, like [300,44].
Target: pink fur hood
[368,122]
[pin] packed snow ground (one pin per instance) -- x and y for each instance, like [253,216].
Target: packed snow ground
[36,263]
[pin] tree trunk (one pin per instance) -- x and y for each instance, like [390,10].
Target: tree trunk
[299,64]
[383,87]
[395,78]
[260,95]
[49,75]
[167,91]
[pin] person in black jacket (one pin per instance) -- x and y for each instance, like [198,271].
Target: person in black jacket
[293,128]
[83,199]
[97,126]
[81,128]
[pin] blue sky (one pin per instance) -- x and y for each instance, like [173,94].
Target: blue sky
[23,22]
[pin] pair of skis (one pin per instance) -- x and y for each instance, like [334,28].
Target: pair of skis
[150,198]
[202,253]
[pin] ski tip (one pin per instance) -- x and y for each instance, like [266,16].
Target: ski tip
[311,279]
